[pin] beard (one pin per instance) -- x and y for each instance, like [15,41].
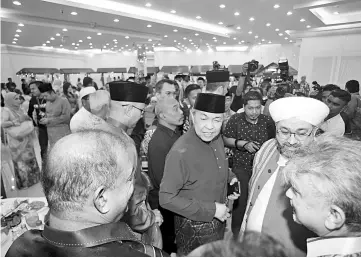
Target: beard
[290,150]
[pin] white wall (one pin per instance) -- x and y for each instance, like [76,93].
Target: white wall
[265,54]
[331,59]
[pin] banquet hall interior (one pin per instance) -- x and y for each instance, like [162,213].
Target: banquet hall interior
[285,48]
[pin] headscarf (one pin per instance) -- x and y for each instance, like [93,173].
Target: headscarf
[10,102]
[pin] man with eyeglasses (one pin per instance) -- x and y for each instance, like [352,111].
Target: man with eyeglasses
[268,210]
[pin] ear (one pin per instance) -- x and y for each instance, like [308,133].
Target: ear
[100,200]
[336,218]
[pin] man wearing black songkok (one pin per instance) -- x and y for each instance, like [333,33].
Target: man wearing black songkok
[195,179]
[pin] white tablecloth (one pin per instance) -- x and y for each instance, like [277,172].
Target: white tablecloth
[6,206]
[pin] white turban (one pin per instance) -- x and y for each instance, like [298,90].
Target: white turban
[99,99]
[309,110]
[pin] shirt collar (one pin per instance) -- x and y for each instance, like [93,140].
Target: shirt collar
[243,115]
[324,246]
[167,130]
[89,237]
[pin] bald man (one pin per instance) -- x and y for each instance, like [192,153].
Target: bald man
[170,116]
[88,181]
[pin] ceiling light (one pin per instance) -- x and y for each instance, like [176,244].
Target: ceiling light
[215,40]
[76,47]
[192,43]
[74,13]
[115,40]
[336,13]
[173,11]
[302,20]
[308,26]
[148,4]
[90,44]
[57,34]
[18,30]
[52,38]
[99,33]
[276,6]
[44,44]
[280,34]
[73,44]
[112,48]
[115,45]
[239,42]
[286,38]
[107,44]
[251,19]
[16,35]
[263,40]
[269,42]
[236,13]
[259,43]
[15,39]
[291,41]
[61,45]
[127,37]
[256,37]
[126,45]
[289,13]
[238,28]
[150,40]
[14,42]
[277,29]
[21,25]
[16,3]
[196,34]
[224,43]
[178,43]
[77,44]
[220,23]
[198,17]
[190,40]
[175,30]
[222,6]
[165,36]
[88,37]
[65,29]
[149,26]
[234,38]
[268,24]
[159,44]
[80,41]
[250,32]
[48,42]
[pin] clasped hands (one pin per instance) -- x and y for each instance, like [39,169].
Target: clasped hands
[222,211]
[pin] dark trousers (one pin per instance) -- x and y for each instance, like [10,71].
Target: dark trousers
[239,206]
[43,141]
[168,231]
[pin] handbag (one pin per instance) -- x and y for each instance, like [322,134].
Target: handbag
[21,131]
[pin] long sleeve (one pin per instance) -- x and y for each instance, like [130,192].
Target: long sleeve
[31,110]
[174,178]
[64,117]
[271,128]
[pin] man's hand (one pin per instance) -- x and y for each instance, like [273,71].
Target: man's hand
[158,217]
[252,147]
[234,196]
[44,121]
[222,212]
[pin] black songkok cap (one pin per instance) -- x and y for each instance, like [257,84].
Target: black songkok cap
[211,103]
[217,76]
[128,91]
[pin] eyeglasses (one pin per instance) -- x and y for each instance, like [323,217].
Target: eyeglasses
[141,110]
[285,134]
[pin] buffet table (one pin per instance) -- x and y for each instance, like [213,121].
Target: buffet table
[26,210]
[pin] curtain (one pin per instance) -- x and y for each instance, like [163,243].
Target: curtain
[350,69]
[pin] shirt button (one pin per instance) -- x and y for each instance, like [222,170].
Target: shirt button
[269,171]
[217,158]
[259,187]
[251,204]
[219,166]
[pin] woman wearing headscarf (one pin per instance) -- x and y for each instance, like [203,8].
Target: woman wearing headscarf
[68,93]
[19,135]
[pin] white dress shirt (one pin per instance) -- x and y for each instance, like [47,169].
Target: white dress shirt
[334,126]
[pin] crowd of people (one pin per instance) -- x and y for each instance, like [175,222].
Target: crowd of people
[159,167]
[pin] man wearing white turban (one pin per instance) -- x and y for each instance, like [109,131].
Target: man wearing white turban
[268,210]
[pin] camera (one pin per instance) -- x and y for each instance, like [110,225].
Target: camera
[252,66]
[216,65]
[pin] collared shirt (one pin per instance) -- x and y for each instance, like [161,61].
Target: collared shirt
[195,177]
[334,126]
[113,239]
[255,220]
[161,142]
[239,128]
[334,246]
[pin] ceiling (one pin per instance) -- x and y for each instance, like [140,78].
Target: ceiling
[126,24]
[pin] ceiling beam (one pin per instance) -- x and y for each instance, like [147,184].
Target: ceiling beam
[10,15]
[353,28]
[308,4]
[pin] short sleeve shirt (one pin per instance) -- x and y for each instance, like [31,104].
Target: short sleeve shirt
[239,128]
